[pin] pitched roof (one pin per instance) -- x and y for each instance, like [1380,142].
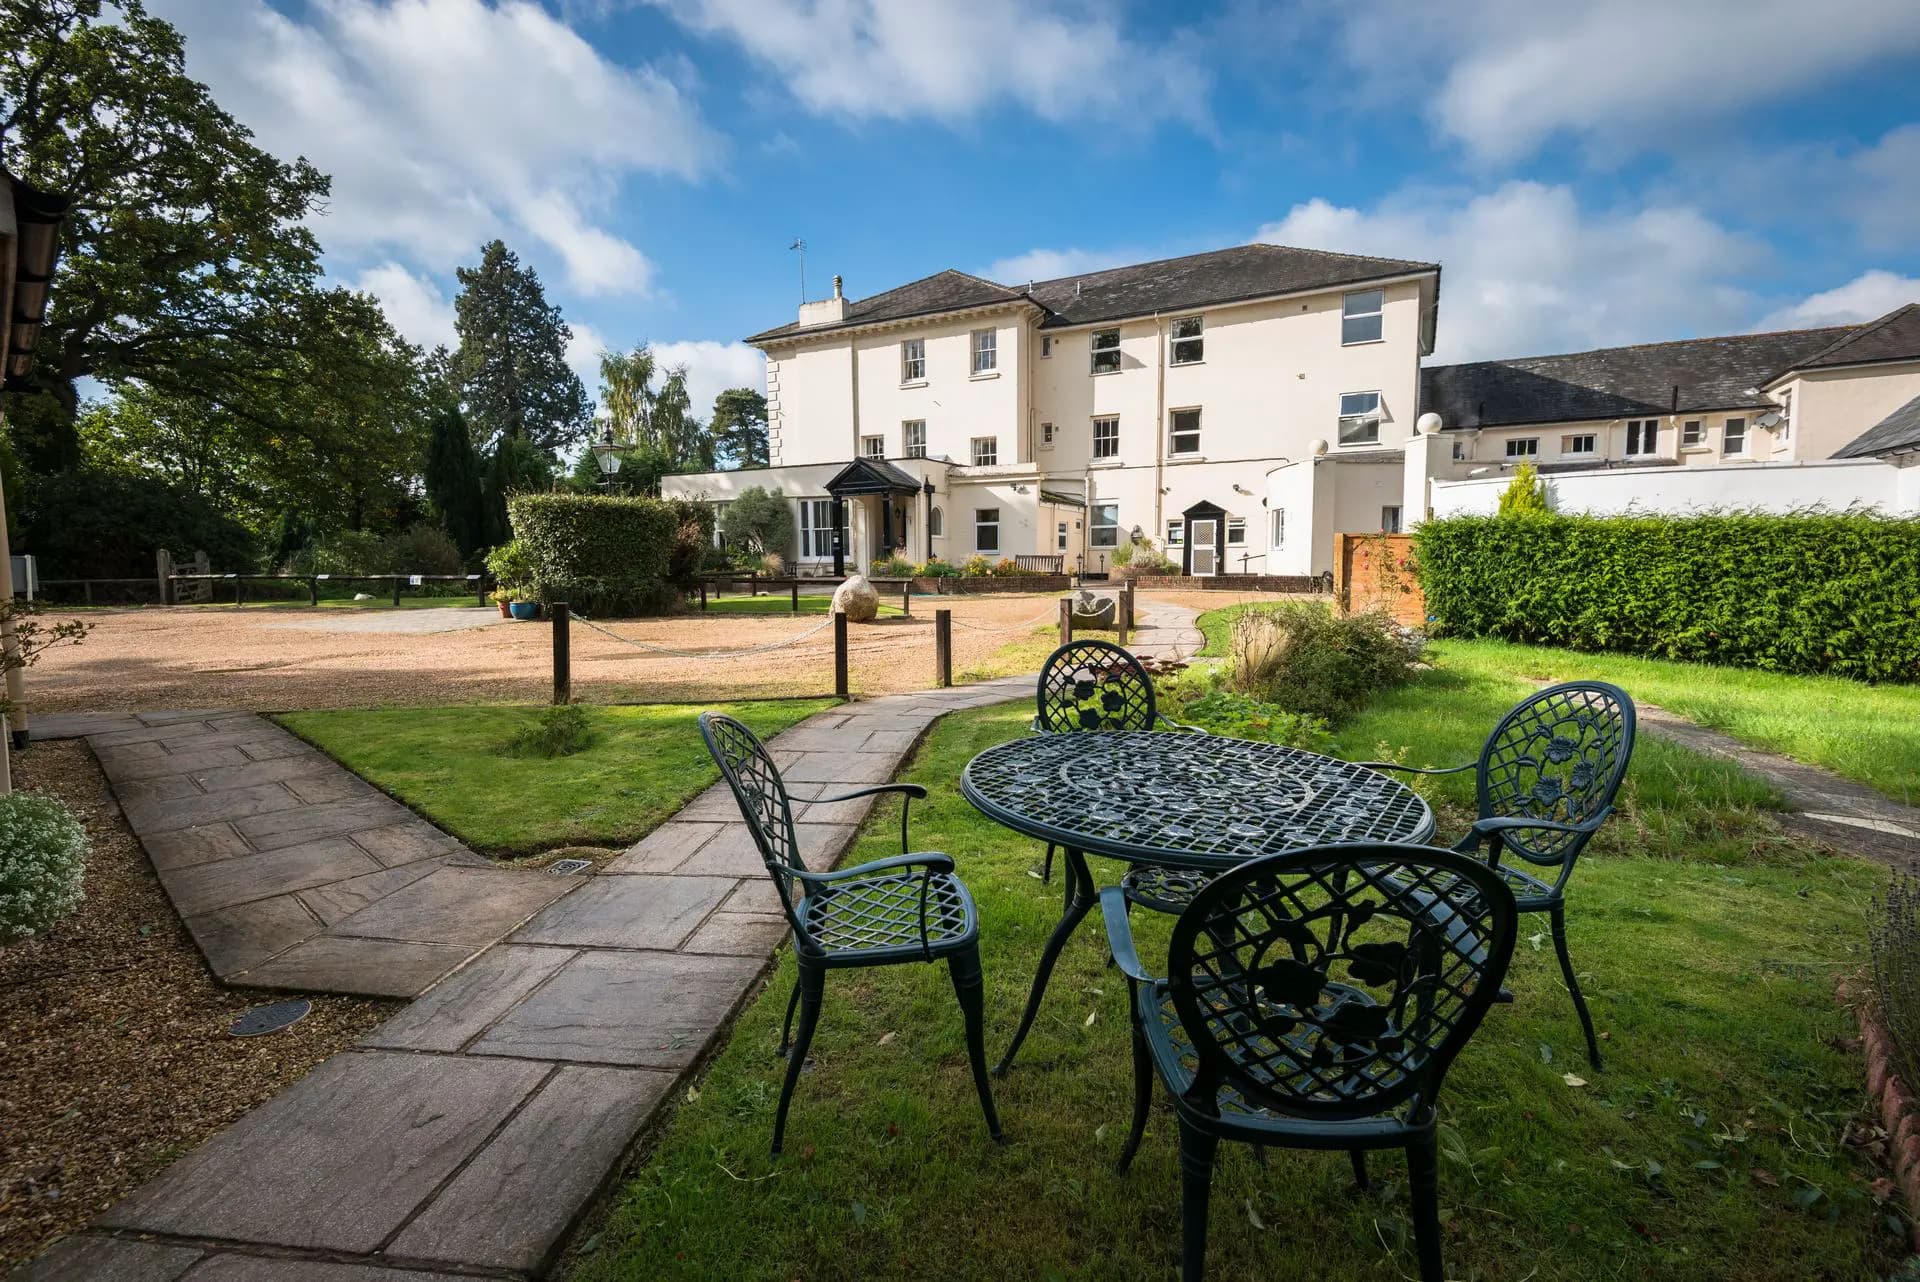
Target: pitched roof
[1170,284]
[1894,337]
[947,291]
[1897,433]
[1617,382]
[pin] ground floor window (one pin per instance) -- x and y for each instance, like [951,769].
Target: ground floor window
[1277,527]
[1062,527]
[986,529]
[1236,531]
[1106,526]
[1643,436]
[1693,432]
[1523,447]
[936,524]
[1580,444]
[1176,533]
[816,529]
[719,519]
[1390,520]
[1733,438]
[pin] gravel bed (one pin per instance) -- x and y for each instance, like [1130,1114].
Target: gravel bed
[114,1054]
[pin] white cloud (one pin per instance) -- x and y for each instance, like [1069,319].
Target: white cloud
[446,122]
[1514,73]
[1867,296]
[950,59]
[1051,264]
[414,304]
[1526,270]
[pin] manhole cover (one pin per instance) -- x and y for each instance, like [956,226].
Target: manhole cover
[567,867]
[271,1018]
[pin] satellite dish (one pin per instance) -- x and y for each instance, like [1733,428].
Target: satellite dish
[1770,419]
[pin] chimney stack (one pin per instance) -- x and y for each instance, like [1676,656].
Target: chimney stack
[836,288]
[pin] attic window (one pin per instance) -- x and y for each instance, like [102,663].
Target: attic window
[1106,351]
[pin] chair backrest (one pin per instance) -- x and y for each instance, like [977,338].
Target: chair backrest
[1559,755]
[748,768]
[1093,685]
[1338,981]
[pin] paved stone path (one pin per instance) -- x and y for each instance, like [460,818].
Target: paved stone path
[467,1135]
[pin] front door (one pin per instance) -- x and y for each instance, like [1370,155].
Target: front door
[1203,540]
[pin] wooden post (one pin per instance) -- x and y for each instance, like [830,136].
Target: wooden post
[562,653]
[239,590]
[795,585]
[943,648]
[313,591]
[1121,622]
[1066,619]
[906,598]
[480,588]
[163,567]
[703,593]
[396,589]
[840,655]
[1125,610]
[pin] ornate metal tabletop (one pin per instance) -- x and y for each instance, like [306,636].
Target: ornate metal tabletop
[1186,800]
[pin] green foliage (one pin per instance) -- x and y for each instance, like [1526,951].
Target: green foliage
[893,567]
[554,732]
[511,567]
[1143,558]
[976,567]
[96,524]
[1199,697]
[692,541]
[453,481]
[739,428]
[511,366]
[937,569]
[605,556]
[344,552]
[1806,592]
[421,549]
[758,521]
[43,852]
[1526,493]
[1303,658]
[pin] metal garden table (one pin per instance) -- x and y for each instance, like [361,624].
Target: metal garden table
[1201,803]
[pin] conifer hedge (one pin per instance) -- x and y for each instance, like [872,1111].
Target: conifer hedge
[608,555]
[1805,592]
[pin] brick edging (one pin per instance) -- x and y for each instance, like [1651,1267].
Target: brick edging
[1892,1099]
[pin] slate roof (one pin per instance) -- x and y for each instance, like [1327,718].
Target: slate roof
[1170,284]
[1619,382]
[1894,337]
[1897,433]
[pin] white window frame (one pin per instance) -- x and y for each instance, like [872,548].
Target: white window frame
[1356,416]
[1106,445]
[1643,437]
[1104,533]
[1046,347]
[1783,430]
[1390,519]
[1729,438]
[986,518]
[913,434]
[1177,532]
[985,346]
[984,451]
[1523,447]
[936,523]
[1195,343]
[1352,308]
[816,538]
[1046,436]
[873,447]
[1061,536]
[1277,528]
[1693,432]
[1175,433]
[1099,348]
[913,361]
[1570,444]
[1236,531]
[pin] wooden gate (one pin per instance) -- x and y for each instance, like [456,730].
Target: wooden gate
[1376,572]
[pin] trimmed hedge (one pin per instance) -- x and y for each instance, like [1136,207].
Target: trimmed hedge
[1806,592]
[608,555]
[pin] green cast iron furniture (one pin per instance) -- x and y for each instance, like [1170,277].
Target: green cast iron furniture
[1547,778]
[905,909]
[1315,999]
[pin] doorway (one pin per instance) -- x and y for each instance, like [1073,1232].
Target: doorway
[1203,546]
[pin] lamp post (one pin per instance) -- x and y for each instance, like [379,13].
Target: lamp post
[607,455]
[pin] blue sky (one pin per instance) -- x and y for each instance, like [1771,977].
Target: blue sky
[1591,173]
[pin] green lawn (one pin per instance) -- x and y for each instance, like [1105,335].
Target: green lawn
[1868,733]
[644,763]
[1709,1148]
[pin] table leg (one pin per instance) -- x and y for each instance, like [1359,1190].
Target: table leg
[1080,897]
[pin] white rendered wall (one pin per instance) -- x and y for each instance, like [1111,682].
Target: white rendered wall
[1764,487]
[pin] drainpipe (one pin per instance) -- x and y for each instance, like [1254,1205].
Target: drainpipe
[1159,423]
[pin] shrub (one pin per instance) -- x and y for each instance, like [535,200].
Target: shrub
[1895,940]
[424,549]
[1303,658]
[1802,592]
[893,567]
[342,552]
[1526,493]
[937,569]
[96,524]
[1124,554]
[559,731]
[1008,568]
[511,567]
[976,567]
[692,541]
[43,851]
[1148,559]
[759,521]
[1198,697]
[604,555]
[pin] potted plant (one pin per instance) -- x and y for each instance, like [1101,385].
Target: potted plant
[512,569]
[502,598]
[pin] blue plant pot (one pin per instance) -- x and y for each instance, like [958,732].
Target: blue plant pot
[524,610]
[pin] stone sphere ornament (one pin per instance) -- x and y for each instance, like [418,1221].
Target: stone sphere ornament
[857,600]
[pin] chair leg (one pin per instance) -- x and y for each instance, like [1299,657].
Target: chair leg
[971,990]
[1196,1184]
[1559,914]
[1046,869]
[1142,1094]
[1423,1170]
[1359,1156]
[786,1029]
[811,987]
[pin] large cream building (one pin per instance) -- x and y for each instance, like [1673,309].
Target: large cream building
[1237,408]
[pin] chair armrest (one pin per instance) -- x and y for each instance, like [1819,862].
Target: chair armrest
[1171,724]
[1113,907]
[932,861]
[1415,770]
[913,790]
[1488,827]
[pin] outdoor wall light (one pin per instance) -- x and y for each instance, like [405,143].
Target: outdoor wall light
[607,455]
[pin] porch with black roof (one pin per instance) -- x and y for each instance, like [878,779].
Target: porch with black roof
[876,477]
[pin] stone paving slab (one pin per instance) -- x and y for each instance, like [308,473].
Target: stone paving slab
[457,906]
[465,1004]
[360,967]
[104,1259]
[650,911]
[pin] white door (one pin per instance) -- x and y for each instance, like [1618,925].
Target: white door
[1203,543]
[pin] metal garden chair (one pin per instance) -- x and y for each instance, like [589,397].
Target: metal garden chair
[1547,778]
[1095,685]
[1315,999]
[910,908]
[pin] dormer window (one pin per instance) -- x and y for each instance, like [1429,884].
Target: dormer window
[913,360]
[1360,317]
[1106,351]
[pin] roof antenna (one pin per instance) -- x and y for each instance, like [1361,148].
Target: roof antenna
[801,245]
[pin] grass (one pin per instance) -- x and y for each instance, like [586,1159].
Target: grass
[1867,733]
[1710,1147]
[1022,654]
[451,764]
